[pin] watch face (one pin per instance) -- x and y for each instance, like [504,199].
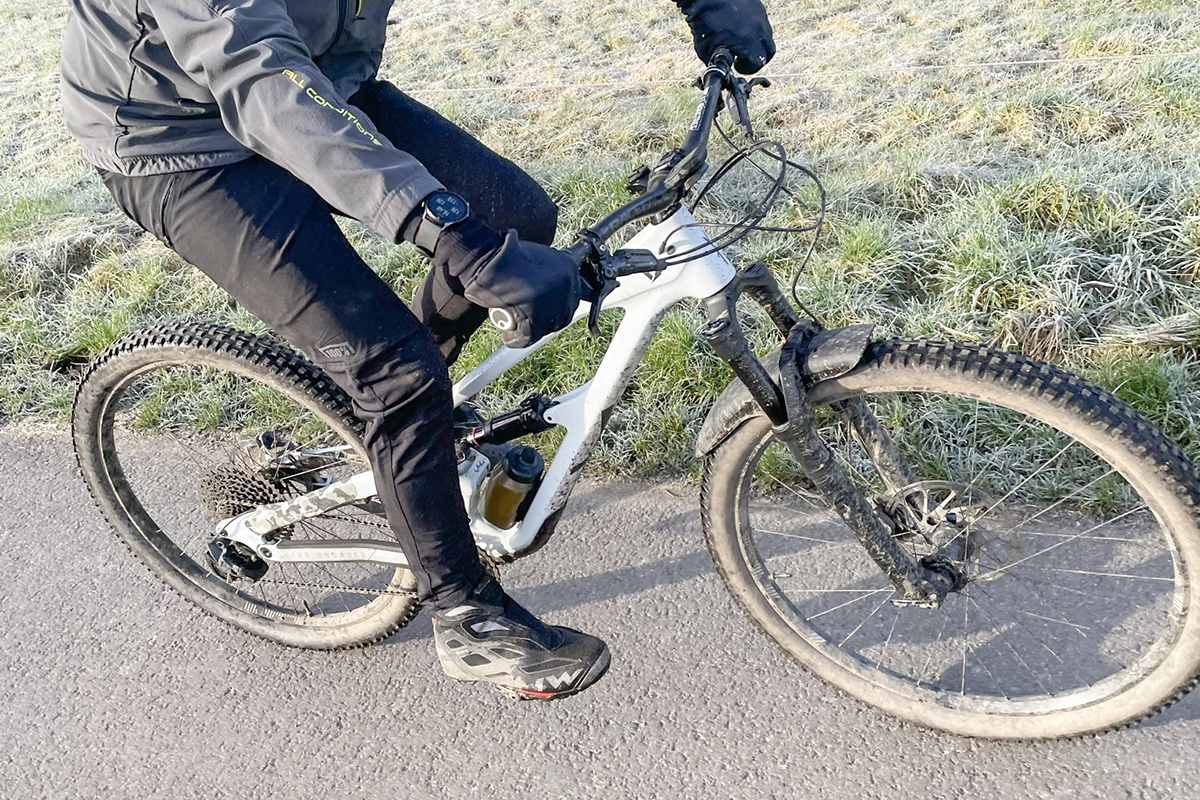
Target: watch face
[446,208]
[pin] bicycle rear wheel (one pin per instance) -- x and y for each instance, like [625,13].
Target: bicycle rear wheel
[181,426]
[1073,519]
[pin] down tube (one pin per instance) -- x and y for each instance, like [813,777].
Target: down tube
[583,411]
[582,414]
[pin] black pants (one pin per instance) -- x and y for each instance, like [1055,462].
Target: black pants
[273,244]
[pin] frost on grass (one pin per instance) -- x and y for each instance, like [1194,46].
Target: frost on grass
[1023,174]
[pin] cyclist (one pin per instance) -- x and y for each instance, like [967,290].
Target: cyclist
[233,130]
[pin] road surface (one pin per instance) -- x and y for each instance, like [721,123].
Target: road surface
[114,687]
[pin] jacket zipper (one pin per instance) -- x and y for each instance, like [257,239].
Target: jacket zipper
[343,15]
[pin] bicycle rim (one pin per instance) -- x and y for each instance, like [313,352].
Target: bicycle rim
[190,439]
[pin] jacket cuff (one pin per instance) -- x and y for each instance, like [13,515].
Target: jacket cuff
[399,205]
[463,249]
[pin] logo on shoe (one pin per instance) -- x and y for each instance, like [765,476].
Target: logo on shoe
[339,350]
[554,682]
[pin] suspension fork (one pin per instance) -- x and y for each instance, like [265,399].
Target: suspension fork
[810,354]
[874,439]
[836,355]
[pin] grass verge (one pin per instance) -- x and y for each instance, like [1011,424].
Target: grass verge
[1025,176]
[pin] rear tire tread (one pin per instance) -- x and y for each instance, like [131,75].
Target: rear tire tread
[263,355]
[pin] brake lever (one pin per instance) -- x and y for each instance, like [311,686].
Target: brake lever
[606,288]
[617,265]
[739,109]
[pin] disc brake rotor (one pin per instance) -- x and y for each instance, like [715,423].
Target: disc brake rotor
[941,518]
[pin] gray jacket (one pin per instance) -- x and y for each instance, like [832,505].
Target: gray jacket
[154,86]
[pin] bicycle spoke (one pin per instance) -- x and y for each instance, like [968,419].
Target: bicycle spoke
[805,538]
[1023,483]
[1024,577]
[1077,628]
[963,688]
[844,591]
[1109,574]
[858,627]
[929,659]
[807,500]
[1121,539]
[1018,623]
[1002,635]
[851,602]
[888,642]
[1007,567]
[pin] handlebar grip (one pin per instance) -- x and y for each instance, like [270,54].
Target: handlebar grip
[722,58]
[502,319]
[578,252]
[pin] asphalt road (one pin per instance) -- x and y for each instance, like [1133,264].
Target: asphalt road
[114,687]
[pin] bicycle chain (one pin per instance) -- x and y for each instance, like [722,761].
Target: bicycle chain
[367,523]
[331,588]
[352,589]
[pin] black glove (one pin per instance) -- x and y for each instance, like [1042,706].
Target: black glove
[740,25]
[538,285]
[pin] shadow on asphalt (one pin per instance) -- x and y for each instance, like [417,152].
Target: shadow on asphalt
[628,581]
[573,592]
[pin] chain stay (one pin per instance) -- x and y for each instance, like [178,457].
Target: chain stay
[488,564]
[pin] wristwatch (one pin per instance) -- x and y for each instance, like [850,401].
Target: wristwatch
[441,210]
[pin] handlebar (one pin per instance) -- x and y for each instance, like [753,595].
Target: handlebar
[668,180]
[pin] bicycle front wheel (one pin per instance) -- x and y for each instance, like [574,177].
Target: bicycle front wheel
[1072,518]
[181,426]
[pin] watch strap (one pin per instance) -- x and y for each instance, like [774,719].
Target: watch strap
[427,234]
[433,223]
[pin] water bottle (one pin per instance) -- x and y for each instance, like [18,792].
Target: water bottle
[511,482]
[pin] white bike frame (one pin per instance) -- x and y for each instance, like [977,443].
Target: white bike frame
[646,298]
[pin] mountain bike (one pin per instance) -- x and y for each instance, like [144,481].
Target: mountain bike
[969,539]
